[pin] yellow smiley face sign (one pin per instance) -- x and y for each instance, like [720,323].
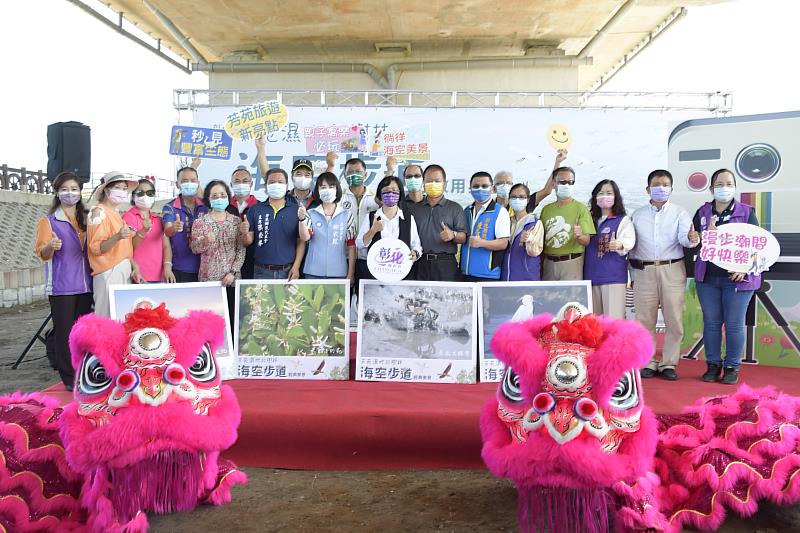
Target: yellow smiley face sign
[559,136]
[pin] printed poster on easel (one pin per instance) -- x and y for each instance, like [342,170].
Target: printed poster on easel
[292,330]
[519,301]
[417,331]
[180,299]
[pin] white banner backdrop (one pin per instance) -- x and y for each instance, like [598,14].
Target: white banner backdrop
[624,145]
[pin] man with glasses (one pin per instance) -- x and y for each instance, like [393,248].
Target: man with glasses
[489,229]
[568,226]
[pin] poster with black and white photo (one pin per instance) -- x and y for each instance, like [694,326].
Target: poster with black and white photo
[417,331]
[519,301]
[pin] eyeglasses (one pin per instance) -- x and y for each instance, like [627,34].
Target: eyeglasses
[565,182]
[407,176]
[143,193]
[481,187]
[518,198]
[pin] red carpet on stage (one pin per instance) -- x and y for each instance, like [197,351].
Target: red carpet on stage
[352,425]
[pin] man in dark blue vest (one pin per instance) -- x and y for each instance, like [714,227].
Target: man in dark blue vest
[489,231]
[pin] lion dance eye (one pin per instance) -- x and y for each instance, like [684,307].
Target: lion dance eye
[510,386]
[93,377]
[625,395]
[204,367]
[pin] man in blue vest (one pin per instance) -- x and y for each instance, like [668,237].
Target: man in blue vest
[489,231]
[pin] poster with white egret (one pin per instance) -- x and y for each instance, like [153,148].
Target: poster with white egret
[519,301]
[417,331]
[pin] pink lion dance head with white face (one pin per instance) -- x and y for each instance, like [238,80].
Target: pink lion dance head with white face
[569,418]
[150,415]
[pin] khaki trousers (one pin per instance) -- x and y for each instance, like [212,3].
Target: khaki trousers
[665,285]
[569,270]
[119,274]
[609,300]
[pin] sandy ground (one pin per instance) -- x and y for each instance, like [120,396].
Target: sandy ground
[283,500]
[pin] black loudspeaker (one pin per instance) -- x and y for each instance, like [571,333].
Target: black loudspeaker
[69,148]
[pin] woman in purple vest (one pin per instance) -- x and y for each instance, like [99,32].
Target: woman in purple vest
[724,296]
[606,263]
[61,244]
[521,259]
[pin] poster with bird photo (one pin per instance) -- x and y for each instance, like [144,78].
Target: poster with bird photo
[417,331]
[292,330]
[519,301]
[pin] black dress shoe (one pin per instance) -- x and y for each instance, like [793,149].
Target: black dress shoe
[647,373]
[669,374]
[713,373]
[731,376]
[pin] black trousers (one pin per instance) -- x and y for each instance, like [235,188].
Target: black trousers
[231,306]
[184,277]
[362,272]
[476,279]
[66,310]
[441,269]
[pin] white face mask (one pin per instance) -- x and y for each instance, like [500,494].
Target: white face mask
[276,190]
[564,191]
[724,194]
[144,202]
[503,190]
[302,183]
[117,196]
[327,195]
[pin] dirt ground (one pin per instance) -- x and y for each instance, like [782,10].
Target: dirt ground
[382,501]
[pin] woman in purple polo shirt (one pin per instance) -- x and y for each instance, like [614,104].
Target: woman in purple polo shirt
[606,263]
[61,244]
[724,296]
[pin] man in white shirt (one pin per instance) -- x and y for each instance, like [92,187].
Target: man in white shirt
[360,201]
[657,271]
[489,231]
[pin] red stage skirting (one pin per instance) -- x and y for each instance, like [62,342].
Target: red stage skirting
[351,425]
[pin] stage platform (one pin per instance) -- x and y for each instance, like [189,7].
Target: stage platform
[352,425]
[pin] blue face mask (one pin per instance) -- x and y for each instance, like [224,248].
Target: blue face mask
[188,189]
[481,195]
[219,204]
[241,189]
[413,184]
[518,204]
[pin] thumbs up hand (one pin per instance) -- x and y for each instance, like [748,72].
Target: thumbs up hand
[614,245]
[447,234]
[694,237]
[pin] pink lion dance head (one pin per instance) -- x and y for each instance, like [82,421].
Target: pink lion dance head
[150,415]
[569,418]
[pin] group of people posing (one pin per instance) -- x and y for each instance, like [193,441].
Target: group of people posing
[323,228]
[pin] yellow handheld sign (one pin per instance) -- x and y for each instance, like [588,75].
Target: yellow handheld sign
[559,136]
[257,120]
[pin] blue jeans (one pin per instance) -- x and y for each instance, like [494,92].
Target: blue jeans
[722,305]
[263,273]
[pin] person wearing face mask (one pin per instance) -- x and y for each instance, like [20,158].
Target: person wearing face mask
[606,264]
[412,176]
[302,177]
[724,296]
[215,239]
[521,258]
[390,221]
[151,249]
[442,227]
[330,233]
[272,228]
[110,240]
[568,227]
[489,230]
[503,181]
[657,271]
[241,188]
[359,200]
[177,217]
[61,245]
